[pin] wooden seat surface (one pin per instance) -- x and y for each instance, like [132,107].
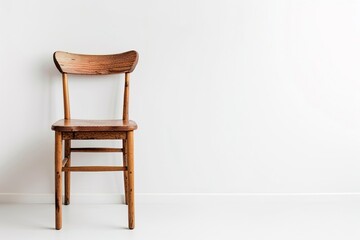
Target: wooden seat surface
[78,125]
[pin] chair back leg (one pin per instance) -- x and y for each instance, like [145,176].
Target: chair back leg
[126,175]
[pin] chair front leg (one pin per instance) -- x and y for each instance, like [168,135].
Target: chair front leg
[67,174]
[58,184]
[130,170]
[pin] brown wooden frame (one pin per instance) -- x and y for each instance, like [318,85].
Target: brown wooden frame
[68,129]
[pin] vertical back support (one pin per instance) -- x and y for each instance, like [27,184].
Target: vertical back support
[126,97]
[66,96]
[67,142]
[125,144]
[67,101]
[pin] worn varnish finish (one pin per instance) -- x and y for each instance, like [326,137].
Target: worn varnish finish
[68,129]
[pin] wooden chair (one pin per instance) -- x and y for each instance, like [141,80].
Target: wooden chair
[68,129]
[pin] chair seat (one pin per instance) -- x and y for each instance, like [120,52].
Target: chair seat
[78,125]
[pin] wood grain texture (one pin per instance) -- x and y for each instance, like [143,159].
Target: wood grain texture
[130,166]
[95,64]
[75,125]
[94,168]
[58,183]
[93,135]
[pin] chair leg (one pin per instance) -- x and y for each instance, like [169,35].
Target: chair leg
[58,183]
[126,175]
[67,174]
[130,162]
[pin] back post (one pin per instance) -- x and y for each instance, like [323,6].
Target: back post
[66,96]
[67,142]
[126,97]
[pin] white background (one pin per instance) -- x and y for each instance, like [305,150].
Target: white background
[230,96]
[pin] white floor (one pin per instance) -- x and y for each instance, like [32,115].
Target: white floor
[203,217]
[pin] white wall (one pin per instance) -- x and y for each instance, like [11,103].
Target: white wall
[230,96]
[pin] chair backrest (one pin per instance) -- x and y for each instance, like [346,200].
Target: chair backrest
[70,63]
